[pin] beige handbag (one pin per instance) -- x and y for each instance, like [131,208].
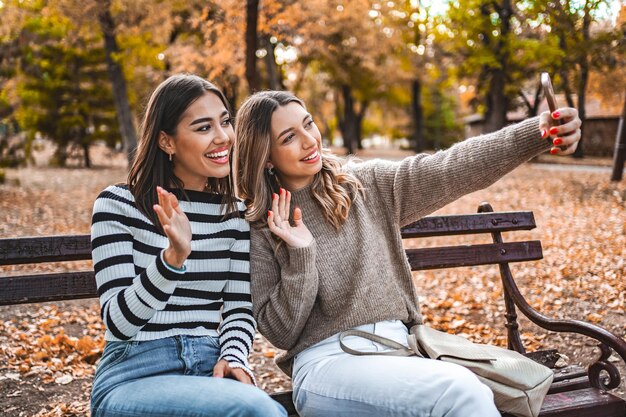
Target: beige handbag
[519,384]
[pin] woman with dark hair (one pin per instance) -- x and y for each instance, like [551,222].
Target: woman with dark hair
[171,257]
[336,261]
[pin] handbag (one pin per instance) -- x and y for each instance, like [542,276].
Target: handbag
[519,384]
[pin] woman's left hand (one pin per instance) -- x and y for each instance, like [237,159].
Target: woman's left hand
[223,370]
[563,126]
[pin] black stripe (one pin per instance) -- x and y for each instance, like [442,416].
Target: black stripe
[205,276]
[240,310]
[206,295]
[115,283]
[152,289]
[236,296]
[194,307]
[145,248]
[216,254]
[245,331]
[113,260]
[143,301]
[116,197]
[228,233]
[166,272]
[127,313]
[234,338]
[158,327]
[235,359]
[125,220]
[107,239]
[213,218]
[113,329]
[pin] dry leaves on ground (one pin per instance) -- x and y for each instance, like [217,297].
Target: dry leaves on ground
[581,222]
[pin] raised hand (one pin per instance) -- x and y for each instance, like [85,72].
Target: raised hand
[176,227]
[565,136]
[296,235]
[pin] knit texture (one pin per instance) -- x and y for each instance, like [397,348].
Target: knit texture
[142,298]
[360,274]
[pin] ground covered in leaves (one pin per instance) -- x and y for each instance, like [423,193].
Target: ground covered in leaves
[49,351]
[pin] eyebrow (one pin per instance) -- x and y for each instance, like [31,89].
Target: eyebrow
[291,128]
[207,119]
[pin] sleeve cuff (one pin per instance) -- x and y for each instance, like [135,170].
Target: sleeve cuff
[168,271]
[247,370]
[303,259]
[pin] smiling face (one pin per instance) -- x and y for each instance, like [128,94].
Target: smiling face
[295,150]
[202,143]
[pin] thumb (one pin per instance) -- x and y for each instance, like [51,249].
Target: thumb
[297,216]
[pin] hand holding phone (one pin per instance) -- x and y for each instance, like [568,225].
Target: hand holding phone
[550,98]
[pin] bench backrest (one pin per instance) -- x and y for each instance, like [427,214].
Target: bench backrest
[70,285]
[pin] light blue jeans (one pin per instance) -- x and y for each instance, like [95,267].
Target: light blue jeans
[172,377]
[330,382]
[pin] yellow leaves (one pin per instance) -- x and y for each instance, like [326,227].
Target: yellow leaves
[594,317]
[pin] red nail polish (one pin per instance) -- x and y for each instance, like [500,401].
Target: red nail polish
[553,151]
[281,191]
[543,133]
[274,196]
[553,130]
[557,141]
[556,115]
[269,213]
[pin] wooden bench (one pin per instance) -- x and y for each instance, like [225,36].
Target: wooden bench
[575,392]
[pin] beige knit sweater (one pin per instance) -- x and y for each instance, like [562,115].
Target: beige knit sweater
[360,274]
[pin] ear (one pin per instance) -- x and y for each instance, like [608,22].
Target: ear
[166,143]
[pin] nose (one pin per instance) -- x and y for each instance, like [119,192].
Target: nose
[309,140]
[221,135]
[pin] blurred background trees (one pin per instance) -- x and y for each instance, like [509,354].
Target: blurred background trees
[79,71]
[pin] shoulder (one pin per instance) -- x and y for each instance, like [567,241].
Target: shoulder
[115,198]
[367,171]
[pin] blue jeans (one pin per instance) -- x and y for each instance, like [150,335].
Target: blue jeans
[172,377]
[329,382]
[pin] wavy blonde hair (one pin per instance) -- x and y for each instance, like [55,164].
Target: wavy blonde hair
[333,189]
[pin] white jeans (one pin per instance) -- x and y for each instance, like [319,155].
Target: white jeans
[329,382]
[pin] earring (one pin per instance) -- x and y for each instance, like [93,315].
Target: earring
[170,155]
[270,171]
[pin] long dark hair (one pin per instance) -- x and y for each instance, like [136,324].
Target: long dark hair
[151,166]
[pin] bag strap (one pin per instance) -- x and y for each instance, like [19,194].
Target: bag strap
[399,349]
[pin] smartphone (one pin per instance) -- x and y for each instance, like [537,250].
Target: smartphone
[549,93]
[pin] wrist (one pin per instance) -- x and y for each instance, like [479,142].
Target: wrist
[173,259]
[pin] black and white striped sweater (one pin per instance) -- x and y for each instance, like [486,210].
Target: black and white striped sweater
[142,298]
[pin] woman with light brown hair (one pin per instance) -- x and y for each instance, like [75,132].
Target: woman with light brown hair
[336,261]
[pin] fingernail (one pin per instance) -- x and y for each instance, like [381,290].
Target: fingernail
[274,196]
[557,141]
[556,115]
[553,130]
[553,151]
[269,213]
[281,191]
[544,133]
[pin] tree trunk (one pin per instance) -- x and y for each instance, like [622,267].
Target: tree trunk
[252,18]
[619,155]
[348,123]
[497,103]
[274,74]
[418,116]
[584,79]
[120,95]
[359,124]
[86,157]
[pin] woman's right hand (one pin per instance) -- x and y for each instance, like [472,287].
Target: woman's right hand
[176,227]
[296,236]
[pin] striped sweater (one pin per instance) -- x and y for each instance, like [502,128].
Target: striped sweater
[142,298]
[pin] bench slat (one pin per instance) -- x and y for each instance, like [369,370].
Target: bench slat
[47,287]
[470,224]
[32,250]
[455,256]
[588,402]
